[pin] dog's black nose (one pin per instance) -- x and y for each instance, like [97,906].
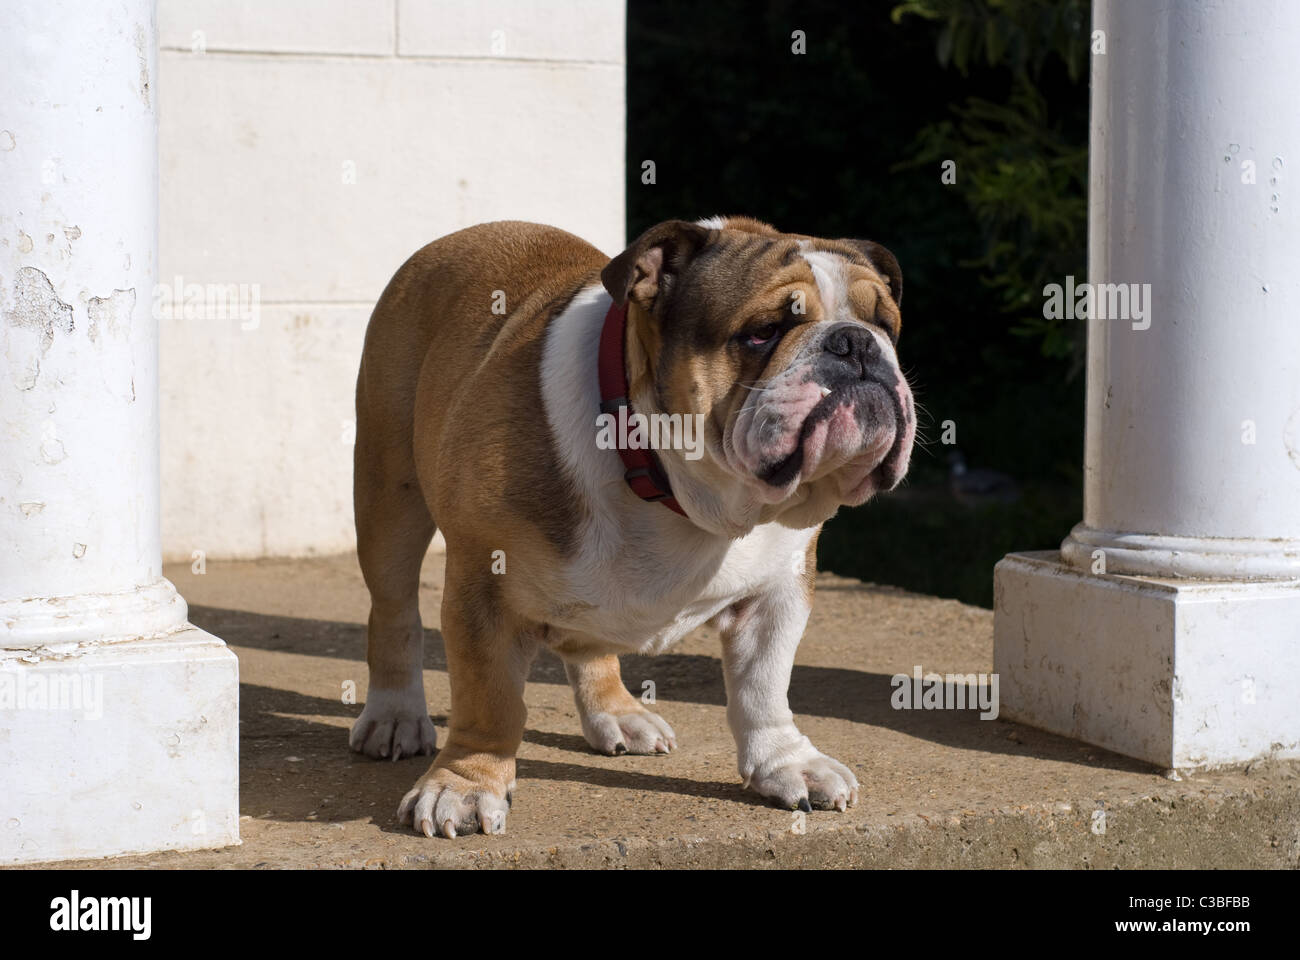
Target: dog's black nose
[853,345]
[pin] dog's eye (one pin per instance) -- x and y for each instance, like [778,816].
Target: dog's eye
[762,336]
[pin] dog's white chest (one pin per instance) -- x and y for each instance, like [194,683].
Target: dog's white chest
[644,594]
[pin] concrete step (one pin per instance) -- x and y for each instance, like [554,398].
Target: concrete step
[940,788]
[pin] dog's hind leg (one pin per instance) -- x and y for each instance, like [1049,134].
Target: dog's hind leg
[470,784]
[394,528]
[613,721]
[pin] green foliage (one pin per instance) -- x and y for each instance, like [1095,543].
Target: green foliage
[1022,35]
[1022,164]
[931,544]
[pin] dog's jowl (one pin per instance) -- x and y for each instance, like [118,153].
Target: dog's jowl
[750,381]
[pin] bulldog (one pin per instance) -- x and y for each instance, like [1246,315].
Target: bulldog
[493,363]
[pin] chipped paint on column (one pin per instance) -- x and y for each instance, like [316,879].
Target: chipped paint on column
[1192,467]
[78,255]
[144,725]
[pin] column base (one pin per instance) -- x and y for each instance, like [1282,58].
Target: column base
[1199,558]
[1184,674]
[128,747]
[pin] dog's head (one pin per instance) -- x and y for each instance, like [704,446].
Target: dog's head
[787,345]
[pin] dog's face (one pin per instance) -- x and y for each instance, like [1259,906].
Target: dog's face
[787,345]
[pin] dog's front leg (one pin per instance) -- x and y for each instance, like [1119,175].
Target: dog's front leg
[759,638]
[470,784]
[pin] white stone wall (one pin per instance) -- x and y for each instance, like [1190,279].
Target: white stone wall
[308,147]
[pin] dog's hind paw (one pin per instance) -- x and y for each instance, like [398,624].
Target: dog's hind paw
[394,724]
[638,732]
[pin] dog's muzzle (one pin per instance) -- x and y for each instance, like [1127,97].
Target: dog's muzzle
[842,408]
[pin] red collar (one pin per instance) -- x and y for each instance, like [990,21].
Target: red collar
[643,472]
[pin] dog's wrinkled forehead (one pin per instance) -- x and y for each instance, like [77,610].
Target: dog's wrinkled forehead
[705,281]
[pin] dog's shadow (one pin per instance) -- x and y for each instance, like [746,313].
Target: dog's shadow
[280,743]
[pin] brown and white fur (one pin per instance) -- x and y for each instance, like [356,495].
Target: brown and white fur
[485,424]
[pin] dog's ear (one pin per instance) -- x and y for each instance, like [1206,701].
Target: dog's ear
[649,266]
[884,262]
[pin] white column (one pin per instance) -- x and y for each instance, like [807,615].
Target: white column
[1168,628]
[119,719]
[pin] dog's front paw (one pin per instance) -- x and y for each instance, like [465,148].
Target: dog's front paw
[394,723]
[443,803]
[640,731]
[809,781]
